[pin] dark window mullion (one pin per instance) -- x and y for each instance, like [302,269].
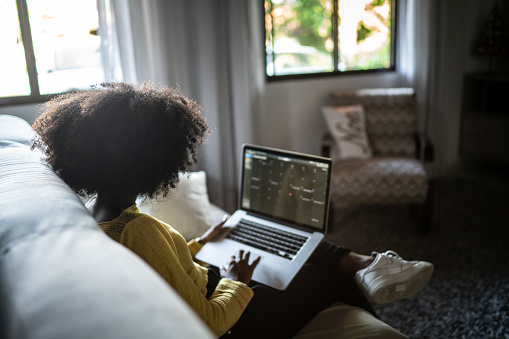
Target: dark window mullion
[394,23]
[26,36]
[272,40]
[335,33]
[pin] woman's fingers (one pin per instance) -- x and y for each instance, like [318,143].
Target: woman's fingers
[255,262]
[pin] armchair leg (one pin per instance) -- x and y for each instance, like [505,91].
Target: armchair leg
[424,212]
[423,218]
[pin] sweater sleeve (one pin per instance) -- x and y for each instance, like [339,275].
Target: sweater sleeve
[194,247]
[166,251]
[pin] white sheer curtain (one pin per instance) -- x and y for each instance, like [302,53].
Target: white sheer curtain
[212,51]
[110,55]
[416,51]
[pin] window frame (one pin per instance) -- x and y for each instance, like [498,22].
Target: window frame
[26,36]
[35,95]
[336,72]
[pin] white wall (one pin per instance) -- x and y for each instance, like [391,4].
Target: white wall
[28,112]
[291,117]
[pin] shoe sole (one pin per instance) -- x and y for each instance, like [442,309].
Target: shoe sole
[404,286]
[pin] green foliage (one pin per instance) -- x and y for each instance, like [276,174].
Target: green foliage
[304,26]
[381,59]
[311,15]
[362,32]
[309,23]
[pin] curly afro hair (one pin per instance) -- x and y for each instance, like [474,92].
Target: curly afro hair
[119,138]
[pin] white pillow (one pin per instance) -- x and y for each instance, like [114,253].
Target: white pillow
[347,126]
[186,209]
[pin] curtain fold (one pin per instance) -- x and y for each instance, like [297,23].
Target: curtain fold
[213,52]
[416,51]
[110,57]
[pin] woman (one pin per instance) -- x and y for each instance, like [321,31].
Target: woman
[120,141]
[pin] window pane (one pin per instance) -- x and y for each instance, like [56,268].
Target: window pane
[364,34]
[299,36]
[13,70]
[66,44]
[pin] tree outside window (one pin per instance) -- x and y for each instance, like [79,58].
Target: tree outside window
[328,36]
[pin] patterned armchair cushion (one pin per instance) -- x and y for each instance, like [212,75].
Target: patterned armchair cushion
[379,180]
[390,118]
[393,145]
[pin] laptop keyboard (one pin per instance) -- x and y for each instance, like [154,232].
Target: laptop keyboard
[281,243]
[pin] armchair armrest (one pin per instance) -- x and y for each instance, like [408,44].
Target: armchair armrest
[326,145]
[424,149]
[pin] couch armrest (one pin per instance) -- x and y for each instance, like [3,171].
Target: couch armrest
[327,142]
[55,282]
[424,149]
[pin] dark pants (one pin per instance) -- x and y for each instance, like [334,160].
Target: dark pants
[281,314]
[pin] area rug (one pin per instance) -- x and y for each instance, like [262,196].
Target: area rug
[468,295]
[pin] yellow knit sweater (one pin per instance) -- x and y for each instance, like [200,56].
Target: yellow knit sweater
[163,248]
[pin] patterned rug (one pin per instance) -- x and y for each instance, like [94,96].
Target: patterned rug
[468,295]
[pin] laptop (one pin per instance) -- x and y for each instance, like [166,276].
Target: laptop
[282,214]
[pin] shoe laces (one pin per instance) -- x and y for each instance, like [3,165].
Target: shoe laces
[392,254]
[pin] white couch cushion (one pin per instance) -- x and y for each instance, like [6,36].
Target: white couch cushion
[187,208]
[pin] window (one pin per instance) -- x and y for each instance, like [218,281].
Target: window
[48,47]
[322,37]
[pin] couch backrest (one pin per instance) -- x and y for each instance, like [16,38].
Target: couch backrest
[60,275]
[390,114]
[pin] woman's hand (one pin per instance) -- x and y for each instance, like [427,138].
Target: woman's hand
[239,268]
[216,232]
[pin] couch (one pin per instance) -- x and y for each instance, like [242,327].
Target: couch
[62,277]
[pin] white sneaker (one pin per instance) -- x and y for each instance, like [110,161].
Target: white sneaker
[389,277]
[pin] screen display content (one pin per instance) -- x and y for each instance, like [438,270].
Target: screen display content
[287,188]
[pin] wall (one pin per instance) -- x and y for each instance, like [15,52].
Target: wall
[459,25]
[291,117]
[28,112]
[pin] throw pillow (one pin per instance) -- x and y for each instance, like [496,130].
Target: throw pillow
[186,209]
[347,126]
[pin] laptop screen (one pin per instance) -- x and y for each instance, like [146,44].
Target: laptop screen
[288,186]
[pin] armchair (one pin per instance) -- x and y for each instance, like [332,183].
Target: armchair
[377,152]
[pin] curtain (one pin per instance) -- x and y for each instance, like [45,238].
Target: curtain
[110,56]
[416,51]
[212,51]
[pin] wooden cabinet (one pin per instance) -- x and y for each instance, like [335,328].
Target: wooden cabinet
[484,132]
